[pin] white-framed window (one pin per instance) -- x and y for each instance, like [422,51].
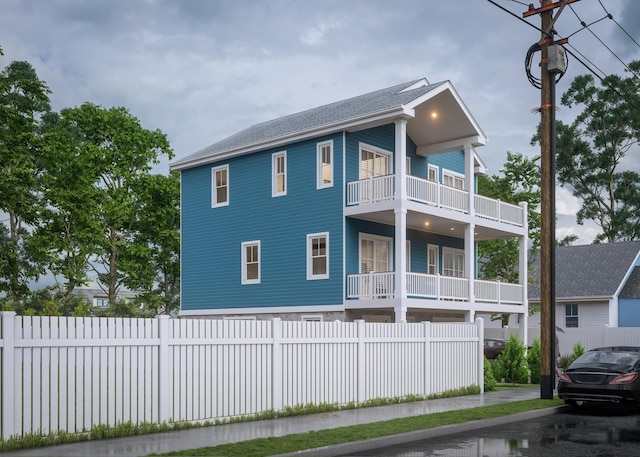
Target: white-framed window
[325,164]
[453,262]
[251,262]
[279,173]
[101,302]
[408,165]
[453,179]
[312,318]
[220,186]
[571,315]
[432,259]
[375,253]
[318,256]
[374,161]
[432,173]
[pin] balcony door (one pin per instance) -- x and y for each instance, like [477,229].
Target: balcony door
[374,162]
[375,257]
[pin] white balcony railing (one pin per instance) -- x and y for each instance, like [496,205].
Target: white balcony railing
[381,188]
[422,285]
[371,285]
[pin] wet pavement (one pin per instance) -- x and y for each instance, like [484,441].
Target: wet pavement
[602,432]
[221,434]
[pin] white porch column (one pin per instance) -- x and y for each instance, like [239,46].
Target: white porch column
[469,262]
[523,274]
[400,234]
[469,177]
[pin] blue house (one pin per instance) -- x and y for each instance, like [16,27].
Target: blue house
[361,209]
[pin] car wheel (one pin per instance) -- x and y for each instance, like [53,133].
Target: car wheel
[575,404]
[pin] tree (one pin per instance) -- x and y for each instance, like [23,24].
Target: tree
[520,182]
[591,151]
[112,156]
[23,99]
[157,252]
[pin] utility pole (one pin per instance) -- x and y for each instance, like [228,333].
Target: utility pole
[548,196]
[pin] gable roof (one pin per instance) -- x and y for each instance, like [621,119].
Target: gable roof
[375,108]
[588,271]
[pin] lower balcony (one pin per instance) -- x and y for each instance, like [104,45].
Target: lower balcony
[435,287]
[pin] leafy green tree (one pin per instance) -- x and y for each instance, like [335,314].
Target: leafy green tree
[591,152]
[111,155]
[533,361]
[158,243]
[512,362]
[519,182]
[23,99]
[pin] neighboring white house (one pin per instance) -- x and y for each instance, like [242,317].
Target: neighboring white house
[98,298]
[596,285]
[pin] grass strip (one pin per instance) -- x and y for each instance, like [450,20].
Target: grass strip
[262,447]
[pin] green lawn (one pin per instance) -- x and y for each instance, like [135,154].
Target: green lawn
[290,443]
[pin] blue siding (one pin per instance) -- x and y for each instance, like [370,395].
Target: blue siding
[453,161]
[212,237]
[629,312]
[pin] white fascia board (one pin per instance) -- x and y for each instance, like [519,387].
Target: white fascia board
[262,310]
[349,124]
[571,300]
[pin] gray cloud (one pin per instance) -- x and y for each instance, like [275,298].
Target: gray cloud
[201,70]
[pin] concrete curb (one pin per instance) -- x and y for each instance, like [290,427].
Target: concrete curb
[391,440]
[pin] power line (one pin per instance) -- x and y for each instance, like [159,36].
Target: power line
[616,22]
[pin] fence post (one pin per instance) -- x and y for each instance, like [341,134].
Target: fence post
[8,369]
[480,324]
[164,372]
[427,358]
[276,381]
[361,373]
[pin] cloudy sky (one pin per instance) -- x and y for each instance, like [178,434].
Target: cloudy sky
[201,70]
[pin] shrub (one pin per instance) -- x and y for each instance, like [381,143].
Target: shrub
[533,361]
[513,362]
[578,350]
[490,382]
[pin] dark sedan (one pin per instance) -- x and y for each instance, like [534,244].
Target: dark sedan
[610,374]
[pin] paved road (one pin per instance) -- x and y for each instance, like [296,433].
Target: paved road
[594,432]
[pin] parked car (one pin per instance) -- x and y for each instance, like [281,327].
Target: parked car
[493,347]
[609,374]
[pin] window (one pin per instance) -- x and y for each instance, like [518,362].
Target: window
[318,256]
[220,186]
[453,262]
[432,173]
[251,262]
[279,167]
[312,318]
[449,178]
[571,315]
[101,302]
[373,162]
[408,165]
[325,165]
[408,255]
[432,260]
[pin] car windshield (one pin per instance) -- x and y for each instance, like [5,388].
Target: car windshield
[598,358]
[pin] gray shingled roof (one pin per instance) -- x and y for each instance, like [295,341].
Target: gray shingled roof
[594,270]
[327,115]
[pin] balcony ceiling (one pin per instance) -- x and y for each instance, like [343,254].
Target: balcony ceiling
[439,225]
[441,119]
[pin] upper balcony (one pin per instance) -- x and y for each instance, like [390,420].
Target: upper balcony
[382,188]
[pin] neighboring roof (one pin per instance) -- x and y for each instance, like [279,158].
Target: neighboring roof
[632,287]
[398,100]
[588,271]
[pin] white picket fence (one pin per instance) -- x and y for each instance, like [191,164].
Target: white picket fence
[69,374]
